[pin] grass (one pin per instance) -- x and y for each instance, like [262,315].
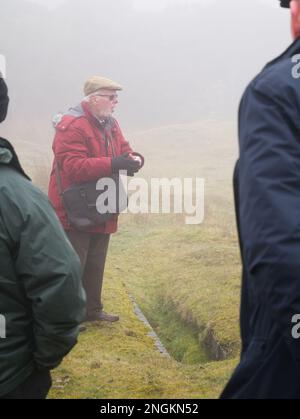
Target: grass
[185,287]
[121,361]
[186,279]
[193,273]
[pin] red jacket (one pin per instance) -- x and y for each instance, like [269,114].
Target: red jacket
[79,147]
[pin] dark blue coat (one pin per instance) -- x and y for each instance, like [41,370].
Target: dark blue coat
[267,191]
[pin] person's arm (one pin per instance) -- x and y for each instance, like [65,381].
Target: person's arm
[48,269]
[269,191]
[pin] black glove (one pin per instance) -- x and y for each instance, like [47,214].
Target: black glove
[3,99]
[125,163]
[135,154]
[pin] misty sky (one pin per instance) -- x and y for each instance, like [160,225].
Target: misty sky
[186,61]
[146,5]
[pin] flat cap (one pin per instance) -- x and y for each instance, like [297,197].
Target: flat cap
[95,83]
[285,3]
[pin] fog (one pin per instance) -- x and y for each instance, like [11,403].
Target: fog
[179,61]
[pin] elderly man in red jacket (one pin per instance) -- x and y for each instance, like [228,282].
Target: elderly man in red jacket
[89,145]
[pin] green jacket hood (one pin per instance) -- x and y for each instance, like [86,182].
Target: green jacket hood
[9,157]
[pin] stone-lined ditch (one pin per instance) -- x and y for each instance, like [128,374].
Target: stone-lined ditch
[177,338]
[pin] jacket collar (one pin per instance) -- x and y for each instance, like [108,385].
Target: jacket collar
[9,157]
[292,50]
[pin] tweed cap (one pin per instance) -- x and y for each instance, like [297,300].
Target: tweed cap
[95,83]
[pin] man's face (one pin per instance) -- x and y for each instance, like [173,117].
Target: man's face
[103,102]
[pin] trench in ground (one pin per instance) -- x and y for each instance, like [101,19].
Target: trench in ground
[175,337]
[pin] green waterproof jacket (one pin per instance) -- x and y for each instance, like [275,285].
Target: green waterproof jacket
[42,300]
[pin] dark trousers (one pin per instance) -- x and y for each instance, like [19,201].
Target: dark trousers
[92,251]
[36,386]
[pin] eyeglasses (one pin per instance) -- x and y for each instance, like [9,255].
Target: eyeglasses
[111,97]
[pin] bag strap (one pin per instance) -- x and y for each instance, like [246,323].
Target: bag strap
[112,139]
[109,140]
[107,132]
[58,179]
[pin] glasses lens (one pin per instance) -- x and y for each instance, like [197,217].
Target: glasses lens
[110,97]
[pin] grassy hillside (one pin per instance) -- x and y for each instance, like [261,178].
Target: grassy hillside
[186,279]
[177,270]
[121,361]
